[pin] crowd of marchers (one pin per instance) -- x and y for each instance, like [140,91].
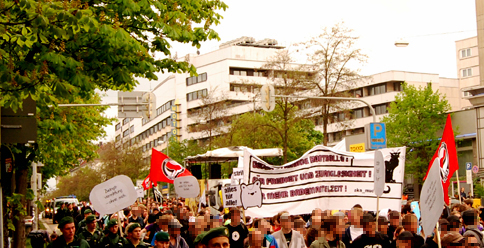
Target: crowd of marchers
[173,224]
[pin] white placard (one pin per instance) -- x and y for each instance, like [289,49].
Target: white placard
[231,196]
[113,195]
[379,173]
[187,186]
[140,192]
[431,199]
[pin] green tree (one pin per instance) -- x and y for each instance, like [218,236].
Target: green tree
[414,120]
[334,61]
[52,50]
[120,160]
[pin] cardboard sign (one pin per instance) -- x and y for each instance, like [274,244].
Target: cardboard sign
[237,175]
[431,199]
[231,196]
[113,195]
[140,192]
[187,186]
[379,173]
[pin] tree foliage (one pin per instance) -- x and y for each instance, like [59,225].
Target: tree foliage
[62,51]
[334,61]
[414,120]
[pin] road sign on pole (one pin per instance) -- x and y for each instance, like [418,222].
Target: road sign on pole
[376,135]
[469,172]
[268,98]
[136,104]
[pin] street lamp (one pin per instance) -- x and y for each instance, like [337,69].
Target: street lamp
[401,43]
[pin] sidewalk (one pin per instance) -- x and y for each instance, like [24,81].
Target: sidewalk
[47,226]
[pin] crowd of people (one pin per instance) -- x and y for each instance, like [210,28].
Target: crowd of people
[173,224]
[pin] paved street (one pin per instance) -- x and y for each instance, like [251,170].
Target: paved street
[49,226]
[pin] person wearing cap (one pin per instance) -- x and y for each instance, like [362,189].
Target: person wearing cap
[112,238]
[68,237]
[238,233]
[453,240]
[162,240]
[82,223]
[176,240]
[370,237]
[133,236]
[197,242]
[286,237]
[383,226]
[355,229]
[330,233]
[469,219]
[217,238]
[90,233]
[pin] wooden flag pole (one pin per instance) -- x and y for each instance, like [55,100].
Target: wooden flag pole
[458,186]
[437,232]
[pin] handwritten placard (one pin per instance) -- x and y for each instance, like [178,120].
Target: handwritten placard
[431,198]
[231,196]
[113,195]
[186,187]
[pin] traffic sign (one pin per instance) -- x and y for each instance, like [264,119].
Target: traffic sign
[475,169]
[376,135]
[268,99]
[468,166]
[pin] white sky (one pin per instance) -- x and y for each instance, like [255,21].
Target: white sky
[379,23]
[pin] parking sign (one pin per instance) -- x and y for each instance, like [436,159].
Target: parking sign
[376,135]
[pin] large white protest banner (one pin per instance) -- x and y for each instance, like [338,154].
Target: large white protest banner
[322,178]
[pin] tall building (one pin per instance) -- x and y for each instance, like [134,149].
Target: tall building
[233,74]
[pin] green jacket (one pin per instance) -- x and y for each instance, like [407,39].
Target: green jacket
[60,242]
[93,239]
[321,242]
[113,240]
[140,245]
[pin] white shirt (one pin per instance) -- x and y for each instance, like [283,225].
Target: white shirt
[355,232]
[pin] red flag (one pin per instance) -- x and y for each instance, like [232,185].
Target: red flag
[165,169]
[147,184]
[447,156]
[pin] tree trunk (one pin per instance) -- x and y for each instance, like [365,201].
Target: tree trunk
[21,177]
[325,130]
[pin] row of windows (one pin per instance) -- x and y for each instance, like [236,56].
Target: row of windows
[467,72]
[465,53]
[197,79]
[360,113]
[338,136]
[155,142]
[248,72]
[127,120]
[157,127]
[196,95]
[376,89]
[245,88]
[118,126]
[165,107]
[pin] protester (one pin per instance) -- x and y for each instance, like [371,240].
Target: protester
[217,238]
[68,238]
[90,233]
[370,237]
[330,233]
[112,238]
[453,240]
[162,240]
[410,223]
[443,229]
[264,227]
[286,237]
[238,233]
[469,218]
[176,240]
[133,233]
[355,229]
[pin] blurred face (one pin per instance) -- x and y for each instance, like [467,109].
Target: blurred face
[162,244]
[382,227]
[69,230]
[395,221]
[355,216]
[286,222]
[471,242]
[316,219]
[340,228]
[265,226]
[235,218]
[255,238]
[219,242]
[114,229]
[404,244]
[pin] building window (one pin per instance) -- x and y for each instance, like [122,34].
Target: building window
[397,86]
[466,72]
[196,95]
[380,109]
[377,89]
[358,113]
[118,126]
[165,107]
[197,79]
[118,138]
[125,133]
[126,120]
[131,129]
[359,92]
[465,53]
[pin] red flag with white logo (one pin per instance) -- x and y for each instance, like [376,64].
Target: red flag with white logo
[447,156]
[165,169]
[147,184]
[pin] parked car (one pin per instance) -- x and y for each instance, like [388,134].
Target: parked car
[29,222]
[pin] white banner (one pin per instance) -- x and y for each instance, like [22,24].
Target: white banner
[322,178]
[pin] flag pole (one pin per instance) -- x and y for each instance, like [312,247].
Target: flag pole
[458,186]
[437,232]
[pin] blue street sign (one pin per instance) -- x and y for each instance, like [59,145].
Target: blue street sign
[378,136]
[468,166]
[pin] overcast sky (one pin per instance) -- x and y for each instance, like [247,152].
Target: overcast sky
[431,27]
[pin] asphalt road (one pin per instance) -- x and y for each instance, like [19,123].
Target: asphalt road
[49,226]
